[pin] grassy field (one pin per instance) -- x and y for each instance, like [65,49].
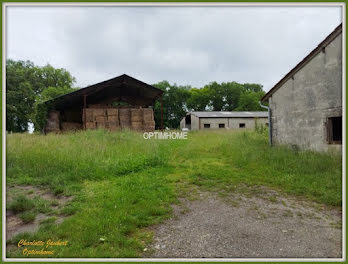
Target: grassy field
[121,184]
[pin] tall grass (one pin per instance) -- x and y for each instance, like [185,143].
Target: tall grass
[220,159]
[62,161]
[123,183]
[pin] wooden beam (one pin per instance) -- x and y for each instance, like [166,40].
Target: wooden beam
[161,113]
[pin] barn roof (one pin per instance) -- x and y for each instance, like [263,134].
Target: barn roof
[120,87]
[308,58]
[214,114]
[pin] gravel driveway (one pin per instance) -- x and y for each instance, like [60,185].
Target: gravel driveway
[267,225]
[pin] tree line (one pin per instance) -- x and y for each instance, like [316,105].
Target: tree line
[28,85]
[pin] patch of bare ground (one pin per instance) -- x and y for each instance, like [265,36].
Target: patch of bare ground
[255,223]
[15,225]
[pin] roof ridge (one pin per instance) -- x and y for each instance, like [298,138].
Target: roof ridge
[305,60]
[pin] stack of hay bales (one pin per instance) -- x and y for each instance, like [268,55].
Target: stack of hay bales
[125,118]
[94,118]
[101,118]
[112,119]
[137,119]
[148,119]
[52,122]
[89,118]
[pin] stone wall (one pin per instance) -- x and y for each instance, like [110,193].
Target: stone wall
[301,106]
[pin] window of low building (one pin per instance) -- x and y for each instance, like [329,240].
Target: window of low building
[206,125]
[221,125]
[241,125]
[334,130]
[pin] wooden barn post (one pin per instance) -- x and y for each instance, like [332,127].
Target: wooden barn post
[162,113]
[84,111]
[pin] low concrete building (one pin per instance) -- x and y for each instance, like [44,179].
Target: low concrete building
[306,105]
[223,120]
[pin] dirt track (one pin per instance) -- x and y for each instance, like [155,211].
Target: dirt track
[263,226]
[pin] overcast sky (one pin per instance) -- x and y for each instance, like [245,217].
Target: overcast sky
[184,45]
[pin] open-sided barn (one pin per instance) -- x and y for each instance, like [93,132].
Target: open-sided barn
[118,103]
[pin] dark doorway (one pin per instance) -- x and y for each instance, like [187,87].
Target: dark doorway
[188,121]
[334,130]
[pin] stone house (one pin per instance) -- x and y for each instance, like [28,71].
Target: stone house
[306,104]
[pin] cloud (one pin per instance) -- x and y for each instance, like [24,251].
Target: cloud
[185,45]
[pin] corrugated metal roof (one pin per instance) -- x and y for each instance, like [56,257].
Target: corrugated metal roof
[228,114]
[121,86]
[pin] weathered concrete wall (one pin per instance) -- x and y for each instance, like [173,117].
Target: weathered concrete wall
[232,123]
[194,122]
[300,107]
[182,123]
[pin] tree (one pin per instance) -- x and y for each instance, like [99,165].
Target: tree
[229,96]
[198,99]
[253,87]
[174,104]
[249,101]
[40,109]
[25,85]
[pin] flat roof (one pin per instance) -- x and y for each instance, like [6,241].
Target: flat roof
[212,114]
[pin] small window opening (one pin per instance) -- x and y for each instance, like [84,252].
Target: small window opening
[241,125]
[206,125]
[221,125]
[334,130]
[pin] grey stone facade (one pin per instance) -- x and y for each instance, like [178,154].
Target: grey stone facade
[304,103]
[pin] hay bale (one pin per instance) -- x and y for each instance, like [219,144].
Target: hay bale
[53,115]
[113,125]
[136,115]
[101,125]
[90,125]
[125,117]
[137,125]
[52,122]
[112,112]
[149,123]
[52,126]
[113,118]
[124,113]
[148,114]
[71,126]
[100,119]
[148,118]
[89,114]
[124,124]
[98,112]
